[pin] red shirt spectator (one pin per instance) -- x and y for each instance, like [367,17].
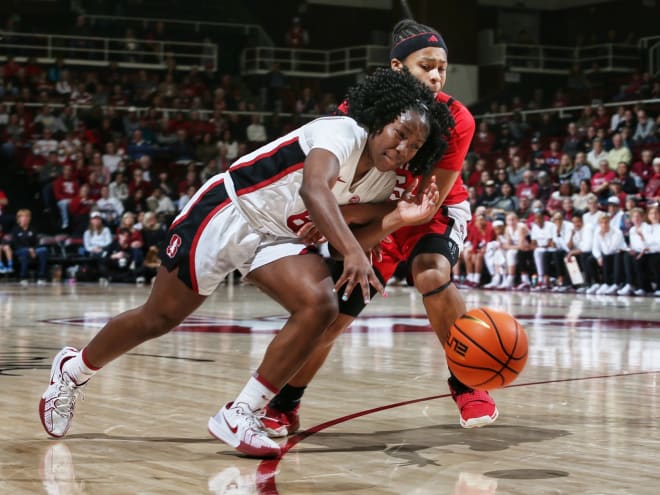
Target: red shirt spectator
[81,204]
[483,139]
[66,186]
[600,180]
[139,183]
[652,189]
[528,188]
[643,168]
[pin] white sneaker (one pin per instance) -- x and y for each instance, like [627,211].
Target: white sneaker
[41,282]
[59,399]
[602,289]
[593,289]
[24,283]
[497,280]
[611,289]
[239,427]
[657,293]
[626,290]
[582,290]
[640,292]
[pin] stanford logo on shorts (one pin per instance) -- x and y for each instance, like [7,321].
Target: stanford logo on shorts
[173,246]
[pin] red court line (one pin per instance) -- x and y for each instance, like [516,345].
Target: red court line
[267,469]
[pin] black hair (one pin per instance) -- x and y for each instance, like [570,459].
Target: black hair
[406,28]
[385,95]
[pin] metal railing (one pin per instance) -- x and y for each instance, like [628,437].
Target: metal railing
[313,63]
[565,112]
[652,46]
[99,52]
[551,59]
[261,36]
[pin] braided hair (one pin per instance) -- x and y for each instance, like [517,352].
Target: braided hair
[385,95]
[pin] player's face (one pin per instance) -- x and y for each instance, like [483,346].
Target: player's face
[429,65]
[398,142]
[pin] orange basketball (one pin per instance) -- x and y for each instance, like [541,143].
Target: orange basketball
[486,348]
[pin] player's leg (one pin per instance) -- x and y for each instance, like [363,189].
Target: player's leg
[303,285]
[168,304]
[282,416]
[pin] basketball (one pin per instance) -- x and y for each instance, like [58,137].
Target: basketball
[486,348]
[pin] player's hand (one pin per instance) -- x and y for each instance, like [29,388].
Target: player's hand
[358,271]
[310,234]
[420,208]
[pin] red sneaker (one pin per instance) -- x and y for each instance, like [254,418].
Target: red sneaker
[477,408]
[280,423]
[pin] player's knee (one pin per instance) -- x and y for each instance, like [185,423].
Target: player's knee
[322,303]
[157,323]
[430,272]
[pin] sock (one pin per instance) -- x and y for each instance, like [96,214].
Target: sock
[288,398]
[256,393]
[458,386]
[477,278]
[79,369]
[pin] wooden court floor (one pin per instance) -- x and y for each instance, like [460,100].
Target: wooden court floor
[583,418]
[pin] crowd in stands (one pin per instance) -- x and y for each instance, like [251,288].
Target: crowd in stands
[109,179]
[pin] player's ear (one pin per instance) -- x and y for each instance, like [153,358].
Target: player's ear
[396,64]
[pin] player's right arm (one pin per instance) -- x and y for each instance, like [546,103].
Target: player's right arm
[320,173]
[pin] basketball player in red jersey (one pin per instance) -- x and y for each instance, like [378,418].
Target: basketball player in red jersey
[431,250]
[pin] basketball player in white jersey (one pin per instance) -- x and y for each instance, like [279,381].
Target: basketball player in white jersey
[238,220]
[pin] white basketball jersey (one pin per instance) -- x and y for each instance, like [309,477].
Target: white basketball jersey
[265,184]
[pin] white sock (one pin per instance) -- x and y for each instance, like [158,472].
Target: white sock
[525,278]
[79,370]
[477,278]
[256,393]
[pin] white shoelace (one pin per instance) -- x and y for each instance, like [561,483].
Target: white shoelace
[69,393]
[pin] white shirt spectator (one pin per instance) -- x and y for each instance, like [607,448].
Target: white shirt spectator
[609,243]
[542,235]
[595,158]
[583,240]
[590,220]
[110,163]
[256,132]
[563,235]
[93,240]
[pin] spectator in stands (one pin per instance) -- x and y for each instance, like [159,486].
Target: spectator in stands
[596,154]
[490,194]
[652,188]
[160,203]
[501,177]
[181,150]
[619,152]
[48,172]
[583,195]
[579,249]
[118,188]
[230,144]
[137,202]
[607,247]
[138,183]
[296,36]
[516,170]
[557,197]
[6,254]
[119,265]
[630,183]
[185,196]
[483,139]
[65,188]
[6,219]
[573,142]
[25,246]
[566,168]
[506,201]
[636,259]
[645,129]
[256,132]
[600,181]
[48,121]
[563,232]
[207,149]
[153,231]
[79,209]
[109,207]
[643,168]
[97,237]
[494,257]
[135,240]
[541,234]
[528,188]
[545,186]
[480,233]
[581,170]
[138,146]
[110,159]
[652,240]
[615,213]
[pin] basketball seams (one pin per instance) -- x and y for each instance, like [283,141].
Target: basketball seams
[499,339]
[494,373]
[479,346]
